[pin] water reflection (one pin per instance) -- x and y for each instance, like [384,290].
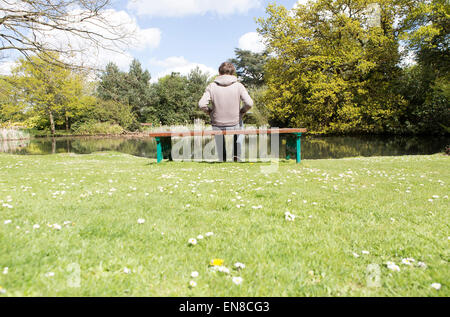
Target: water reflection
[312,147]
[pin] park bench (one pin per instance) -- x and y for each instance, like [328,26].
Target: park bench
[164,143]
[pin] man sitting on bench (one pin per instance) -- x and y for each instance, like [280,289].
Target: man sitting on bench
[225,95]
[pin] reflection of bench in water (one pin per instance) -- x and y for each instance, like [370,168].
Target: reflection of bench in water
[164,144]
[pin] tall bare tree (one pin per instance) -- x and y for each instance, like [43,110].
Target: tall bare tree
[69,28]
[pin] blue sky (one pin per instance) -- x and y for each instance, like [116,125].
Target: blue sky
[168,35]
[205,34]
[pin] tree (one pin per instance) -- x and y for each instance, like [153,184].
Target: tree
[34,28]
[132,88]
[196,85]
[137,82]
[427,85]
[112,84]
[333,65]
[250,66]
[170,104]
[47,89]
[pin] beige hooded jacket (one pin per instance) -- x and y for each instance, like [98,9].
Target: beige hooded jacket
[225,94]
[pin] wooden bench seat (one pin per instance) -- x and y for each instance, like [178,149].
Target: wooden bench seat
[163,139]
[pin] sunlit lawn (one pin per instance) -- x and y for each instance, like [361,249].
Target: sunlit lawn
[353,216]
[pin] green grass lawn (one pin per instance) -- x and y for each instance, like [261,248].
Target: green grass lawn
[352,217]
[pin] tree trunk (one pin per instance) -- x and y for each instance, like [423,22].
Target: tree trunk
[52,122]
[53,145]
[67,123]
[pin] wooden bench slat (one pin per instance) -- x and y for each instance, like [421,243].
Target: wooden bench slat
[230,132]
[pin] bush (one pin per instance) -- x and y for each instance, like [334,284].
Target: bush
[94,127]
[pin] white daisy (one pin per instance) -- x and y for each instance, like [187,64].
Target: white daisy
[141,221]
[239,265]
[199,237]
[393,267]
[288,216]
[436,286]
[56,226]
[408,261]
[194,274]
[126,270]
[223,269]
[422,265]
[192,241]
[209,234]
[237,280]
[192,284]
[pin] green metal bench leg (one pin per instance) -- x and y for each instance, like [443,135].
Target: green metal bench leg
[299,147]
[159,154]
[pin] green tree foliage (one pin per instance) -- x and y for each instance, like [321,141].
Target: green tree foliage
[132,88]
[106,111]
[112,84]
[334,66]
[46,90]
[250,67]
[174,98]
[170,104]
[196,85]
[427,84]
[10,109]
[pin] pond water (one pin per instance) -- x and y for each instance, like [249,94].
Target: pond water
[312,147]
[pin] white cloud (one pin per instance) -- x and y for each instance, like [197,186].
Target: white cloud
[252,41]
[6,67]
[178,8]
[110,49]
[178,64]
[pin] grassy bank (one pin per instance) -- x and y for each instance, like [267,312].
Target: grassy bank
[67,216]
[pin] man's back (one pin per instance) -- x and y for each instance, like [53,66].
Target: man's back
[226,94]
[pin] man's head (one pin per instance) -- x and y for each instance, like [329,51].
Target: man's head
[227,68]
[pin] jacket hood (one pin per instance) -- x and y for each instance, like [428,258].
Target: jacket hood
[225,80]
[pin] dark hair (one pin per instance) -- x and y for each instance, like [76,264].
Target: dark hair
[227,68]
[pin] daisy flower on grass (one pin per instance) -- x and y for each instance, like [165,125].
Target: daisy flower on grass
[393,267]
[192,284]
[436,286]
[237,280]
[422,265]
[192,241]
[288,216]
[56,226]
[408,261]
[239,266]
[194,274]
[223,269]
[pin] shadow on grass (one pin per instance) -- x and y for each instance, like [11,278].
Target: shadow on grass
[221,163]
